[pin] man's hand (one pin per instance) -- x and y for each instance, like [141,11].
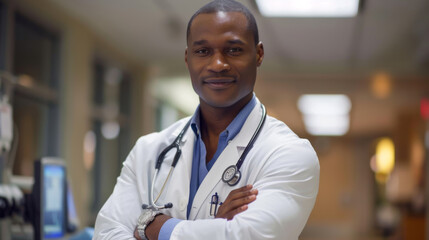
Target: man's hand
[236,202]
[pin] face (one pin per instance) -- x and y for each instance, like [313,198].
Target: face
[222,58]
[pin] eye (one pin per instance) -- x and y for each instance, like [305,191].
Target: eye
[235,51]
[201,52]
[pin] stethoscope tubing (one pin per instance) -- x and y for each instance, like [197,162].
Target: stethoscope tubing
[175,144]
[153,202]
[253,139]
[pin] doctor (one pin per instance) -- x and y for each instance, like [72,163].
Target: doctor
[273,197]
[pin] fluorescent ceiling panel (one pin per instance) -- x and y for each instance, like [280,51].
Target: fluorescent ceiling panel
[324,104]
[327,125]
[308,8]
[325,114]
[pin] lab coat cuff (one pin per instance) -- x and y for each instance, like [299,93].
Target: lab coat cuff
[167,228]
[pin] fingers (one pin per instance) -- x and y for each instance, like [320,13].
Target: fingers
[230,214]
[242,192]
[237,202]
[244,199]
[242,195]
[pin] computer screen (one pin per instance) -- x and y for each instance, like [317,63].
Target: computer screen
[50,203]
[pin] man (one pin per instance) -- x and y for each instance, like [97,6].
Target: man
[279,175]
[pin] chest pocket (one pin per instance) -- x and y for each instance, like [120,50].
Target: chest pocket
[214,200]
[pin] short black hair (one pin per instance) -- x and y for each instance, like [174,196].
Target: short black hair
[227,6]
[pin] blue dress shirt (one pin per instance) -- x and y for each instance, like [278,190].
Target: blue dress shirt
[199,166]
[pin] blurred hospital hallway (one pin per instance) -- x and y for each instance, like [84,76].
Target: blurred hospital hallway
[84,79]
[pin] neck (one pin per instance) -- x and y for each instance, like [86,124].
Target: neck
[214,120]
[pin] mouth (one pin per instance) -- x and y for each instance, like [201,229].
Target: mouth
[218,83]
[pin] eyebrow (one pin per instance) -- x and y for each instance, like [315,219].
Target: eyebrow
[200,42]
[203,41]
[236,41]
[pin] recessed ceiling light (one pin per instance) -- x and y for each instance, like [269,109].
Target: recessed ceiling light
[325,114]
[308,8]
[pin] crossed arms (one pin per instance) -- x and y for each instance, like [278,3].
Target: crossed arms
[236,202]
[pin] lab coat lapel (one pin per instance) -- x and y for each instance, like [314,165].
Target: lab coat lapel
[228,157]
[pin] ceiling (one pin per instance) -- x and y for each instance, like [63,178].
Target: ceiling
[302,55]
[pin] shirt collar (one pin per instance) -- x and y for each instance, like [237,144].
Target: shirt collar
[195,122]
[234,127]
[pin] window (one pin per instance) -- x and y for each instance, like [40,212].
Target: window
[111,128]
[35,61]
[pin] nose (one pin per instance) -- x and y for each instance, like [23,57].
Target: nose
[218,63]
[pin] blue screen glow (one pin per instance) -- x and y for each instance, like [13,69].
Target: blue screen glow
[53,201]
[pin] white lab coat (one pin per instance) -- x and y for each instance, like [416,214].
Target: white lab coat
[283,167]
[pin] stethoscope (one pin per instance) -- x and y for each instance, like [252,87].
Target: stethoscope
[231,175]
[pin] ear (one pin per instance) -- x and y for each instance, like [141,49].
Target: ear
[186,56]
[259,53]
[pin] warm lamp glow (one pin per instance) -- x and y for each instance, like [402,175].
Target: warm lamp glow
[385,156]
[381,85]
[26,80]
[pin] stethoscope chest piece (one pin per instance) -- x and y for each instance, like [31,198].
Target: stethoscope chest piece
[231,175]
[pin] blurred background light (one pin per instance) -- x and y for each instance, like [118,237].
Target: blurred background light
[110,129]
[381,85]
[308,8]
[89,144]
[184,98]
[385,156]
[25,80]
[325,114]
[424,108]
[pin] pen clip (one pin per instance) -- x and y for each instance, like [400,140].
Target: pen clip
[213,204]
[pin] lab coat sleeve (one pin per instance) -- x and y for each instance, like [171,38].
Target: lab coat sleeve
[118,217]
[287,183]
